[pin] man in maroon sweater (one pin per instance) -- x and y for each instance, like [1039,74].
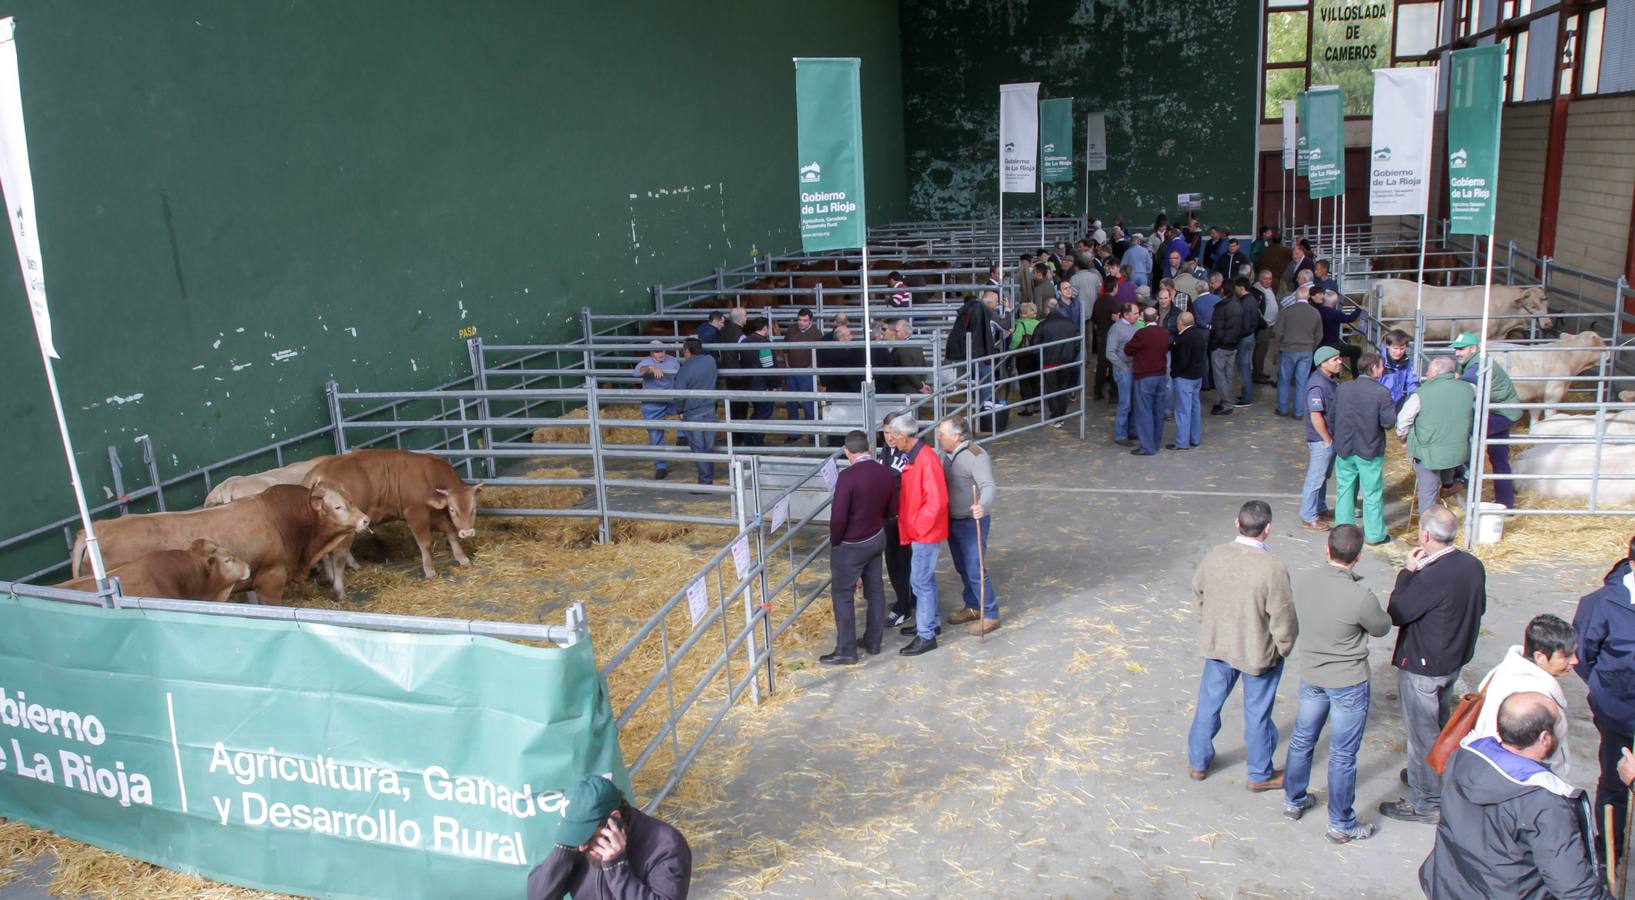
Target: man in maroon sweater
[1149,354]
[865,496]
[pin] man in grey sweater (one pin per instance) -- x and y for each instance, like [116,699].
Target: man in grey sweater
[1337,613]
[1117,336]
[1297,332]
[969,471]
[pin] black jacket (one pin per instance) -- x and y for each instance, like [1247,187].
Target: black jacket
[1228,263]
[1189,353]
[1438,611]
[846,355]
[1510,828]
[973,319]
[1605,623]
[1056,327]
[657,865]
[1362,412]
[1226,326]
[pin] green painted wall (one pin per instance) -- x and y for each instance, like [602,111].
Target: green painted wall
[1177,81]
[239,199]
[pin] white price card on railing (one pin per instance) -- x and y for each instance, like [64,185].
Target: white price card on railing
[740,556]
[780,513]
[831,474]
[698,601]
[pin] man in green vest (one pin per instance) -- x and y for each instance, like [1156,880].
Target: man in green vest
[1436,423]
[1499,418]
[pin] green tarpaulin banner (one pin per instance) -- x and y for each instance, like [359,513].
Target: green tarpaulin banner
[1475,95]
[1302,116]
[299,758]
[829,136]
[1324,127]
[1056,139]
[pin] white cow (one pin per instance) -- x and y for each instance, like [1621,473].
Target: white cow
[240,486]
[1570,355]
[1513,307]
[1580,460]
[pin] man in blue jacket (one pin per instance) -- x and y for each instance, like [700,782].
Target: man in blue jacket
[1605,623]
[698,374]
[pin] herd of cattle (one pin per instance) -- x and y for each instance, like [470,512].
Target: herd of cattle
[261,532]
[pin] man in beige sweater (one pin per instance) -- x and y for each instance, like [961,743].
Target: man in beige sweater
[1246,611]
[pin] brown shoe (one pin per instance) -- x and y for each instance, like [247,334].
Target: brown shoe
[1411,540]
[983,627]
[1318,525]
[1274,783]
[1326,515]
[963,616]
[1197,774]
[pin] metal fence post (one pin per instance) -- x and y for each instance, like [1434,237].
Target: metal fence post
[149,459]
[817,294]
[598,468]
[1510,263]
[1084,384]
[332,392]
[720,278]
[760,554]
[118,470]
[479,375]
[749,589]
[936,376]
[658,298]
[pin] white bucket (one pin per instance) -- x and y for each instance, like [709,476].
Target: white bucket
[1490,524]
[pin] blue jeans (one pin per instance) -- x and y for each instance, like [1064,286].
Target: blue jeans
[1292,371]
[1246,368]
[702,442]
[1121,423]
[984,380]
[922,577]
[655,436]
[793,408]
[1314,493]
[1149,411]
[1347,709]
[1189,412]
[963,549]
[1260,732]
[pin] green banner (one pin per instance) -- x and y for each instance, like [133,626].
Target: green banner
[1056,139]
[829,121]
[1302,117]
[299,758]
[1324,127]
[1475,96]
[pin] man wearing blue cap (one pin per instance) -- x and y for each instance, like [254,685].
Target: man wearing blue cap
[606,848]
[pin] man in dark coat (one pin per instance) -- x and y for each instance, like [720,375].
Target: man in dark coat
[1225,333]
[1605,623]
[1059,360]
[1510,827]
[607,848]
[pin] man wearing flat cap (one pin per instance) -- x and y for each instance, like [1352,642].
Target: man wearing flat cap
[606,848]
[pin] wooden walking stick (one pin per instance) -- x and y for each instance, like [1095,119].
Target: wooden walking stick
[981,576]
[1606,842]
[1622,880]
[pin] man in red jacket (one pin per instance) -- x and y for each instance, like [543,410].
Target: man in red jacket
[922,524]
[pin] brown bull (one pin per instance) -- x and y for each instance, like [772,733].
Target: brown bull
[281,533]
[204,571]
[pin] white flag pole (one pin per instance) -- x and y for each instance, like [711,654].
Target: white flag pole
[1478,433]
[868,324]
[19,194]
[1041,210]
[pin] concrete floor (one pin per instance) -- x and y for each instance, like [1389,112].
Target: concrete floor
[1050,761]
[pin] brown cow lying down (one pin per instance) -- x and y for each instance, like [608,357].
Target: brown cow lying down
[204,571]
[421,489]
[281,533]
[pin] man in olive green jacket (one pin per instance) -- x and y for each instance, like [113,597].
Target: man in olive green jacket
[1500,390]
[1436,423]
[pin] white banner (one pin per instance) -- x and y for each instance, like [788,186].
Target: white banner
[1290,132]
[1019,137]
[19,186]
[1399,160]
[1095,142]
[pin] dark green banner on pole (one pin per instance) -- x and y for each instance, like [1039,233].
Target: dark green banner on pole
[297,757]
[1302,119]
[1056,139]
[1324,128]
[829,136]
[1475,96]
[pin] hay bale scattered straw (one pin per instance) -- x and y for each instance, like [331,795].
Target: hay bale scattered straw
[85,871]
[611,434]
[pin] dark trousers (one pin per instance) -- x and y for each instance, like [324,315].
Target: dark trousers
[1263,343]
[702,442]
[1028,368]
[1498,457]
[847,563]
[1059,379]
[1610,790]
[898,560]
[761,409]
